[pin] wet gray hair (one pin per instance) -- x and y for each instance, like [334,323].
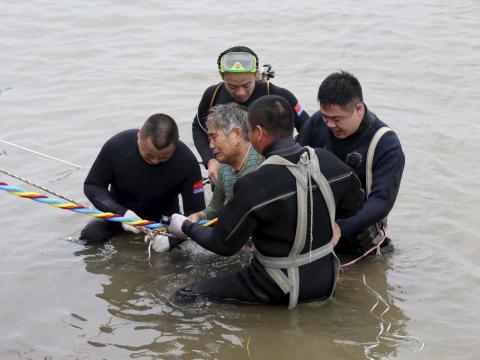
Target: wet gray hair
[227,117]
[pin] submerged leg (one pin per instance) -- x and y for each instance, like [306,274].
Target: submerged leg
[99,230]
[235,287]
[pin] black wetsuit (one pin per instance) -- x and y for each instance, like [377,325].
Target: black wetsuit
[388,164]
[264,206]
[222,96]
[121,180]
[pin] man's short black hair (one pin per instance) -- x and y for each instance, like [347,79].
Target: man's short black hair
[162,129]
[273,113]
[342,89]
[237,49]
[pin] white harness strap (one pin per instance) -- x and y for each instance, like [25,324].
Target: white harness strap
[306,169]
[371,152]
[382,224]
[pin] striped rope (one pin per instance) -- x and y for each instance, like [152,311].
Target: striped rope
[80,209]
[37,186]
[208,222]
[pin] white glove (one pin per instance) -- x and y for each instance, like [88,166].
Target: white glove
[160,243]
[131,228]
[175,227]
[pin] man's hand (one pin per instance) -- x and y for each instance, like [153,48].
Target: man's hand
[337,233]
[197,216]
[213,166]
[131,228]
[175,227]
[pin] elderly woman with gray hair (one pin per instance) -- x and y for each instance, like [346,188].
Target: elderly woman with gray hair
[228,137]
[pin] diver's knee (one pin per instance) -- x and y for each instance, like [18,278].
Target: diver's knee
[95,232]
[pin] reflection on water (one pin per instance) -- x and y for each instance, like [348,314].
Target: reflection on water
[145,321]
[387,332]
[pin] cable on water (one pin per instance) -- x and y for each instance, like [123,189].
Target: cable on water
[40,154]
[384,333]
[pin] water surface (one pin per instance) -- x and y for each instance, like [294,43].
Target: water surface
[74,73]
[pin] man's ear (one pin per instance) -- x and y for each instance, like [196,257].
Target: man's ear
[360,107]
[261,132]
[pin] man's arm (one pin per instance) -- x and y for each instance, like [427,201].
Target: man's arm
[200,139]
[192,188]
[218,199]
[234,227]
[351,200]
[97,182]
[199,132]
[389,162]
[300,115]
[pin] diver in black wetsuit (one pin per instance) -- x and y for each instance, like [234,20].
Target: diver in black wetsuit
[274,206]
[238,67]
[346,127]
[140,174]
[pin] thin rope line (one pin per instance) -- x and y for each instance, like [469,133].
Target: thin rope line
[384,333]
[40,154]
[39,187]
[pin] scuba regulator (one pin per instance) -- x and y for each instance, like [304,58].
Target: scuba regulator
[267,72]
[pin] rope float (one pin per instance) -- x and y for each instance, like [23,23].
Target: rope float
[80,209]
[37,186]
[72,204]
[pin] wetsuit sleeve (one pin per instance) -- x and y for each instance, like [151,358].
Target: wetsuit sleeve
[98,180]
[389,162]
[300,115]
[199,134]
[217,201]
[234,227]
[192,189]
[351,200]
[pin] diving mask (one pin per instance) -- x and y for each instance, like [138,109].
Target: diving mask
[238,62]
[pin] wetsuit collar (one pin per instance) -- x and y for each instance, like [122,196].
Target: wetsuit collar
[283,146]
[367,121]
